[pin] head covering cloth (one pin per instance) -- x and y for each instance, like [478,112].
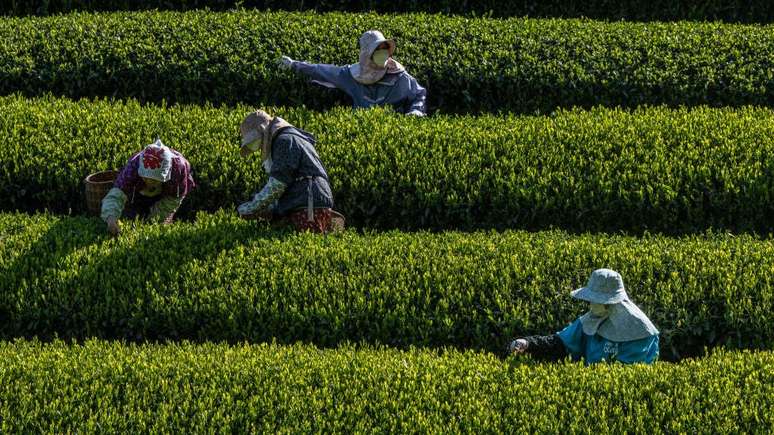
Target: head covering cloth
[258,130]
[156,162]
[366,71]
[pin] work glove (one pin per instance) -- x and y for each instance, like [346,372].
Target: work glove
[285,62]
[249,211]
[416,112]
[518,346]
[114,227]
[249,207]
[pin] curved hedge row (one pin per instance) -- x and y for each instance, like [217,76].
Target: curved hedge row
[756,11]
[604,170]
[225,279]
[475,65]
[184,388]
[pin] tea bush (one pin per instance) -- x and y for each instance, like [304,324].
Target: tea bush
[651,169]
[221,278]
[184,388]
[758,11]
[469,65]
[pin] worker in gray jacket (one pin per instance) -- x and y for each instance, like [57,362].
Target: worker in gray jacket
[376,80]
[298,191]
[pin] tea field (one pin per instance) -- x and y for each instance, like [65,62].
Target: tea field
[561,138]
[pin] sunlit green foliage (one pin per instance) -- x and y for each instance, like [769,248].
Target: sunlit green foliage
[654,169]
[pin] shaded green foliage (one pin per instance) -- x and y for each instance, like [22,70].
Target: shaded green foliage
[221,278]
[757,11]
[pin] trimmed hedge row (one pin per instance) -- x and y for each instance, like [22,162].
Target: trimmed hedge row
[468,65]
[756,11]
[185,388]
[225,279]
[603,170]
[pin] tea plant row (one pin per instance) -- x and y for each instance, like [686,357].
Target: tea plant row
[222,278]
[183,388]
[469,65]
[653,169]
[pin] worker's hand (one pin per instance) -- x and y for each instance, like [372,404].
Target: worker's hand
[285,62]
[248,208]
[114,227]
[416,112]
[518,346]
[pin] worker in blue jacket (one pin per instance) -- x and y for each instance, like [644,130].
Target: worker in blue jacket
[376,80]
[614,329]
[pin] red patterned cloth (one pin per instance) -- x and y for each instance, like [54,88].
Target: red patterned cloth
[321,223]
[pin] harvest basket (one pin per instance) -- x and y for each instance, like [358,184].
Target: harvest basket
[97,186]
[337,221]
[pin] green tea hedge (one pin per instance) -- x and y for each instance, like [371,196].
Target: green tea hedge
[603,170]
[467,64]
[757,11]
[184,388]
[225,279]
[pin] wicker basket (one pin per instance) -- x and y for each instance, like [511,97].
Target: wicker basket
[97,186]
[337,221]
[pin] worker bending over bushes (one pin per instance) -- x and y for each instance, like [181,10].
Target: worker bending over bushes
[153,184]
[298,191]
[614,329]
[376,80]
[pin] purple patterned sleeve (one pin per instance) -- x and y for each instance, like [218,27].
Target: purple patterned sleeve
[128,177]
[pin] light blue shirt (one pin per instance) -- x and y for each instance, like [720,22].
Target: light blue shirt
[399,90]
[595,348]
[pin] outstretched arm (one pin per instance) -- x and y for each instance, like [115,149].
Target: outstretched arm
[332,76]
[544,347]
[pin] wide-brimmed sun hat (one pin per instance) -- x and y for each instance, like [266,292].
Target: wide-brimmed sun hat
[372,39]
[605,286]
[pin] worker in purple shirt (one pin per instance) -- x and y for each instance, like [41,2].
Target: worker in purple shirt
[376,80]
[153,184]
[614,329]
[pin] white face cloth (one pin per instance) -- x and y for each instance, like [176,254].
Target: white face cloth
[380,57]
[373,62]
[599,310]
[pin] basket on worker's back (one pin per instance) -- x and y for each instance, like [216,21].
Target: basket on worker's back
[97,186]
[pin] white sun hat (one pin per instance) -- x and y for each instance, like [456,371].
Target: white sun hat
[605,286]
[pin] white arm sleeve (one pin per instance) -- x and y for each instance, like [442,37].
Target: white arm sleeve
[113,204]
[262,200]
[165,208]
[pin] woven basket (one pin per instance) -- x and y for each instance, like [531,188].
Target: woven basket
[337,221]
[97,186]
